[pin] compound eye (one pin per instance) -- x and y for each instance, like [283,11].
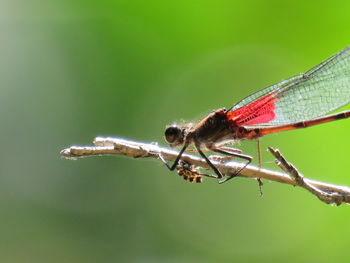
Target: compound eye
[172,134]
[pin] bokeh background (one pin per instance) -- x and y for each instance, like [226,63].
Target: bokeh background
[72,70]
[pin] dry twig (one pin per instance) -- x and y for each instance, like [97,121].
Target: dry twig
[328,193]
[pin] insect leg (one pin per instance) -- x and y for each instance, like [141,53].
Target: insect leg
[223,145]
[176,162]
[232,152]
[259,152]
[260,182]
[219,174]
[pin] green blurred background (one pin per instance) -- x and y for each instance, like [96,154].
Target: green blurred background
[72,70]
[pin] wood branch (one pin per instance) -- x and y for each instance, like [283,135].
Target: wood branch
[325,196]
[326,192]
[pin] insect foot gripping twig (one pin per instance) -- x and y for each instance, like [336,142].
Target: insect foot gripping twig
[329,196]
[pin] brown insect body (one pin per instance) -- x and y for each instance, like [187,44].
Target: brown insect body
[212,129]
[216,128]
[213,132]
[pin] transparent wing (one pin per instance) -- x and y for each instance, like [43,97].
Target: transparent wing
[321,90]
